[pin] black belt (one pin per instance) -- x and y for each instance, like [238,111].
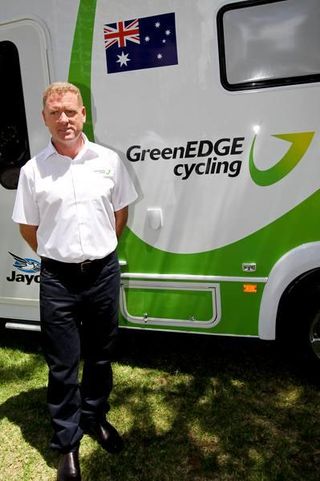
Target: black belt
[84,266]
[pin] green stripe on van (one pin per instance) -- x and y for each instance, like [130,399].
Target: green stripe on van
[81,57]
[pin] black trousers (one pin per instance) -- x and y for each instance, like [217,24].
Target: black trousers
[79,316]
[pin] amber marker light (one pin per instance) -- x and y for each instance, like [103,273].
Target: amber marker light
[250,288]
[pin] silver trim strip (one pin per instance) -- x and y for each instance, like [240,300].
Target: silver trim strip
[190,277]
[22,326]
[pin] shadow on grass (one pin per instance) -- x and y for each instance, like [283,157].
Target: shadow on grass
[242,437]
[191,353]
[242,410]
[210,355]
[28,411]
[248,410]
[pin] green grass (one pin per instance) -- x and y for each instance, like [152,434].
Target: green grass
[190,408]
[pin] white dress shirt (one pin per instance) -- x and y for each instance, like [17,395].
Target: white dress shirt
[72,201]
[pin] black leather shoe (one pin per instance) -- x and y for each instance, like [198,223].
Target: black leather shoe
[105,434]
[69,467]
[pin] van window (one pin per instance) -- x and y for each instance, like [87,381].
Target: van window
[271,43]
[14,143]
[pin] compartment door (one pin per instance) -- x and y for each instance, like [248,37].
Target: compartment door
[24,75]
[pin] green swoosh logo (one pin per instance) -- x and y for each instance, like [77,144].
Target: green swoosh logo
[300,142]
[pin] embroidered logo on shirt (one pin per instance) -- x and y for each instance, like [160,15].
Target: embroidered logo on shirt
[105,172]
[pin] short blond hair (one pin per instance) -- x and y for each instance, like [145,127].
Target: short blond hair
[61,88]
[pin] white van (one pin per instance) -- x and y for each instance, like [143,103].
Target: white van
[214,107]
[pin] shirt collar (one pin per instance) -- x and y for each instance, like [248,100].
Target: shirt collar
[51,150]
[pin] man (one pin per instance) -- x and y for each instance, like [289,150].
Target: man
[72,205]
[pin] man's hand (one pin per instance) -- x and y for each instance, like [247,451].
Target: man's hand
[29,233]
[121,217]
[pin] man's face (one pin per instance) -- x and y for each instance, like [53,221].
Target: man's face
[64,117]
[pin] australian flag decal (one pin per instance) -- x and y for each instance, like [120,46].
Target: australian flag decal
[141,43]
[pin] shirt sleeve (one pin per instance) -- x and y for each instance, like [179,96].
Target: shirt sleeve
[124,192]
[25,209]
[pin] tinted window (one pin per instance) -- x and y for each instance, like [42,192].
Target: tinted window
[14,144]
[269,43]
